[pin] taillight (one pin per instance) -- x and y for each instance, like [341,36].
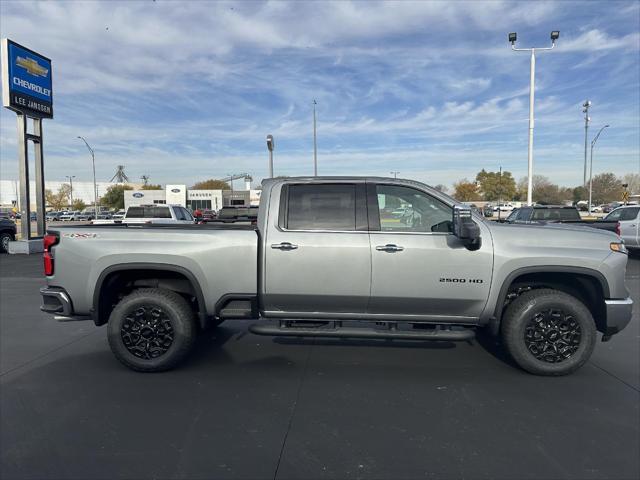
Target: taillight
[50,239]
[618,228]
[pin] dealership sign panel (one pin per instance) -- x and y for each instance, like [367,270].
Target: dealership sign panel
[26,81]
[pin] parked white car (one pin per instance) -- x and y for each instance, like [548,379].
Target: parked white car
[503,207]
[157,214]
[69,216]
[628,227]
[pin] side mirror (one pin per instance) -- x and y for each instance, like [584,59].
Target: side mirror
[465,228]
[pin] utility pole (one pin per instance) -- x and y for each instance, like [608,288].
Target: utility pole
[593,144]
[500,193]
[71,177]
[587,119]
[315,144]
[95,188]
[532,78]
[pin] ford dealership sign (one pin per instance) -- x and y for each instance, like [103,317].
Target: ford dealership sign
[26,81]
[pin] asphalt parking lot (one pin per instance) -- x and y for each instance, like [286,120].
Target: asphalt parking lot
[255,407]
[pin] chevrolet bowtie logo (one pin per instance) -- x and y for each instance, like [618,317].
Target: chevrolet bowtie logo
[32,66]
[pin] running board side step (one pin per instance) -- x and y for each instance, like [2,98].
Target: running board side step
[287,329]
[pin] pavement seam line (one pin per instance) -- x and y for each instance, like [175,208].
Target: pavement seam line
[615,376]
[293,410]
[46,354]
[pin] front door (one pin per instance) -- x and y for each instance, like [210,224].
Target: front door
[419,267]
[629,225]
[317,257]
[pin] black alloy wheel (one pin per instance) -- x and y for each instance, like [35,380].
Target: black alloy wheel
[552,335]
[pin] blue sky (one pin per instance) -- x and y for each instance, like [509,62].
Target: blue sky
[184,91]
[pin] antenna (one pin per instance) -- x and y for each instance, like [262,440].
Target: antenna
[120,176]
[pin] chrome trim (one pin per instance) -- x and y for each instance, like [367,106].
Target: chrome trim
[62,297]
[624,301]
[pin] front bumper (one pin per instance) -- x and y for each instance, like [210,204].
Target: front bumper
[56,300]
[618,314]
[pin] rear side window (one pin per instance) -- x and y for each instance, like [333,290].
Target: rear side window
[629,213]
[135,212]
[157,212]
[322,207]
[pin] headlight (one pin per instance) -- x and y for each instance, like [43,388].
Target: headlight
[618,247]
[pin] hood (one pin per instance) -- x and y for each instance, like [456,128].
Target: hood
[558,237]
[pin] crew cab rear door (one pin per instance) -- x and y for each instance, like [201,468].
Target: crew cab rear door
[419,268]
[317,256]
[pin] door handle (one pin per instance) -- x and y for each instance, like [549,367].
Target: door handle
[389,247]
[284,246]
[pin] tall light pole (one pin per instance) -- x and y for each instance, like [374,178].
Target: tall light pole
[593,143]
[270,145]
[71,177]
[95,188]
[395,174]
[512,38]
[315,144]
[587,119]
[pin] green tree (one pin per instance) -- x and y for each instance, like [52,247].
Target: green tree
[211,184]
[114,197]
[494,186]
[606,188]
[78,205]
[60,199]
[578,194]
[466,191]
[151,186]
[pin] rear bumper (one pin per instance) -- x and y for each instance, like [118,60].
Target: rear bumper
[618,314]
[57,301]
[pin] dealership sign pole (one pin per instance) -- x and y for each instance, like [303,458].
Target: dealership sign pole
[27,90]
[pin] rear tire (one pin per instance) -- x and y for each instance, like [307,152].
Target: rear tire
[151,330]
[548,332]
[5,238]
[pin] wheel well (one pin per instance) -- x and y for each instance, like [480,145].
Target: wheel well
[584,287]
[117,284]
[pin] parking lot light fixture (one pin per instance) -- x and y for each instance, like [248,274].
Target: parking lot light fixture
[593,144]
[270,146]
[532,74]
[95,187]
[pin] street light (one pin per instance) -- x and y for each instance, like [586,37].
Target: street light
[395,174]
[593,143]
[513,38]
[587,119]
[270,145]
[315,145]
[95,188]
[71,177]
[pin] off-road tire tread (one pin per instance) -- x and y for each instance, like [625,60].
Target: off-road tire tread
[512,326]
[185,315]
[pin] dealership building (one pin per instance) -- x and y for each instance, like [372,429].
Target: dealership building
[171,194]
[192,199]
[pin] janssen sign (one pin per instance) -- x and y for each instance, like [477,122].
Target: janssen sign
[26,80]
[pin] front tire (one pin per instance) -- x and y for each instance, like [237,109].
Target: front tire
[548,332]
[151,330]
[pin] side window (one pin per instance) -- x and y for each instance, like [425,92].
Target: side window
[135,212]
[178,212]
[404,209]
[187,214]
[629,213]
[322,207]
[525,214]
[615,215]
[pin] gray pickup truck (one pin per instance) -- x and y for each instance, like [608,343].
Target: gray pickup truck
[344,257]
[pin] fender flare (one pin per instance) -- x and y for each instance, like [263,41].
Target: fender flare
[122,267]
[504,289]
